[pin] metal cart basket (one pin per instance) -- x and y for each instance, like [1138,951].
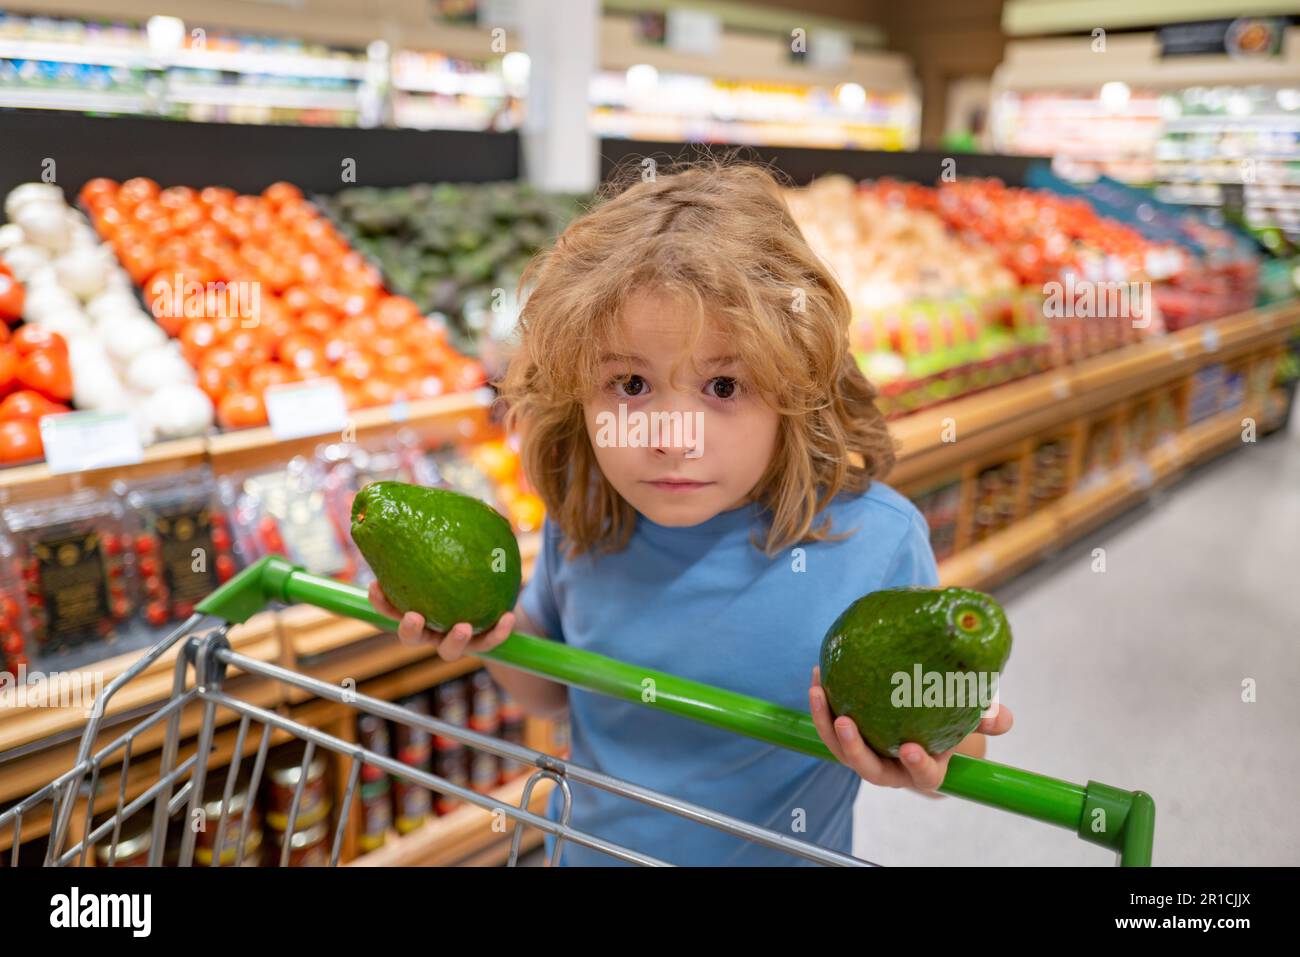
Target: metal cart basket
[1117,819]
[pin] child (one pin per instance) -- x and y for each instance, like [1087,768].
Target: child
[721,552]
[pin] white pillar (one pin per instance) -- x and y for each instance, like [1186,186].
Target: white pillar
[561,39]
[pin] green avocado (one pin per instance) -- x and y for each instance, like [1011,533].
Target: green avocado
[448,556]
[915,664]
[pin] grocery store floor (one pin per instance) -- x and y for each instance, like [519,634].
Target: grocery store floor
[1134,678]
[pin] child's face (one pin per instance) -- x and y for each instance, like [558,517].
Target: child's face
[716,435]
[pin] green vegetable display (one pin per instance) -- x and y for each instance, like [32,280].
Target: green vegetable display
[448,246]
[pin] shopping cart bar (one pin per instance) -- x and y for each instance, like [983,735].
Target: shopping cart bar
[1123,821]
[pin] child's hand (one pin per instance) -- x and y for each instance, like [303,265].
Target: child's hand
[914,768]
[451,645]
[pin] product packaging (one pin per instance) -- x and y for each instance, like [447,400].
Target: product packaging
[284,511]
[182,542]
[78,570]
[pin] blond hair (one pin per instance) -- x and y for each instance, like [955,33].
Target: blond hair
[719,236]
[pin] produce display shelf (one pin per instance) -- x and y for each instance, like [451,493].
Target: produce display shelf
[24,482]
[463,834]
[28,725]
[458,415]
[1024,542]
[939,439]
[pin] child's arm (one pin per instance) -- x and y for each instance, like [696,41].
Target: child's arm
[538,696]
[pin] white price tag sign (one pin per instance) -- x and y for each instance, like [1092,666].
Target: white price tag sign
[693,31]
[299,409]
[79,441]
[1210,338]
[830,49]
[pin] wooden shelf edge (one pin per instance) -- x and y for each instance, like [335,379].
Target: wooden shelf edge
[411,414]
[1002,555]
[1070,389]
[25,725]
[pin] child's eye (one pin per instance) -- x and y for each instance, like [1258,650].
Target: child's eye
[722,387]
[631,386]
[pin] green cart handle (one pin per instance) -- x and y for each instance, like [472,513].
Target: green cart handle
[1123,821]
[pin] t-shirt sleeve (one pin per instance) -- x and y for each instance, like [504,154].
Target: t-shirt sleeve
[913,562]
[537,599]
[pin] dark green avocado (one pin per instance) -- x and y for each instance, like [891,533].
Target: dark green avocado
[448,556]
[915,664]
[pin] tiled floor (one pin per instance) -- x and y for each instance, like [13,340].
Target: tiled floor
[1134,677]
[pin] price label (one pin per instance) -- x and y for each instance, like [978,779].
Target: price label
[1143,477]
[1177,351]
[693,31]
[299,409]
[79,441]
[830,49]
[1061,387]
[1210,338]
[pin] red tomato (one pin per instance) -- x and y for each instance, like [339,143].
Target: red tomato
[20,441]
[11,298]
[267,374]
[29,338]
[135,190]
[100,186]
[279,193]
[225,567]
[26,404]
[9,360]
[216,196]
[302,352]
[197,337]
[47,372]
[240,410]
[394,313]
[177,197]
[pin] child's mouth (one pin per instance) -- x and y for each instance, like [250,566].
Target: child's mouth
[678,485]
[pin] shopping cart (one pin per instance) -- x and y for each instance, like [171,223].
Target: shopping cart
[1120,820]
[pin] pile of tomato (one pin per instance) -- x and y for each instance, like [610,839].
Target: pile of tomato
[322,309]
[35,378]
[1038,233]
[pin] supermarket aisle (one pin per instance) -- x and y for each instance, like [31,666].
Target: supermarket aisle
[1134,676]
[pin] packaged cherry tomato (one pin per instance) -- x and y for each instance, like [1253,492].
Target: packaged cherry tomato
[15,629]
[78,574]
[181,539]
[284,511]
[347,467]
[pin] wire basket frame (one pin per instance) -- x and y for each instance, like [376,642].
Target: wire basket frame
[1119,820]
[183,783]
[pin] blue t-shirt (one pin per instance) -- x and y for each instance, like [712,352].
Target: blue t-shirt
[703,603]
